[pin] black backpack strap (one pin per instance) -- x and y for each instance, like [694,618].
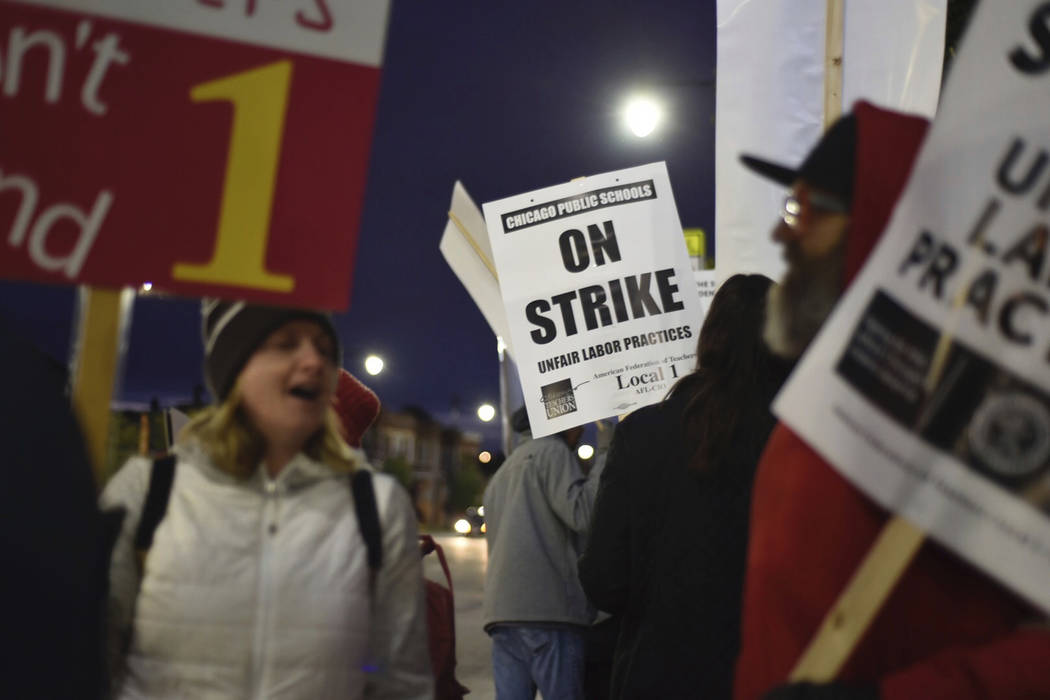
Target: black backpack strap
[367,516]
[161,476]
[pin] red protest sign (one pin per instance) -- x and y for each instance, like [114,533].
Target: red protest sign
[137,146]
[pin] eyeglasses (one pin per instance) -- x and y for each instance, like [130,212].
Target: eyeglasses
[797,206]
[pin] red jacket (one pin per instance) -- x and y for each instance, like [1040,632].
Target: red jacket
[947,630]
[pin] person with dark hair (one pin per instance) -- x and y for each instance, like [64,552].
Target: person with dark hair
[259,580]
[669,534]
[52,539]
[537,509]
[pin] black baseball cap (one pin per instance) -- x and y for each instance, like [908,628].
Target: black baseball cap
[828,167]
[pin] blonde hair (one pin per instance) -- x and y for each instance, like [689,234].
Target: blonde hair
[237,447]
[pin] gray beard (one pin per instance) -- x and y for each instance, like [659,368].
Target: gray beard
[798,306]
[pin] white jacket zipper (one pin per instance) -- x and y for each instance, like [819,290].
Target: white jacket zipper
[268,529]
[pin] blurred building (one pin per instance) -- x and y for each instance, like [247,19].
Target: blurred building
[426,456]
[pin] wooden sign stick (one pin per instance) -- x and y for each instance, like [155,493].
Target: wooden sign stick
[95,368]
[833,50]
[884,564]
[892,551]
[857,605]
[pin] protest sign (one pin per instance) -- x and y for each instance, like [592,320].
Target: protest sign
[703,266]
[598,292]
[706,287]
[465,246]
[934,394]
[211,148]
[889,52]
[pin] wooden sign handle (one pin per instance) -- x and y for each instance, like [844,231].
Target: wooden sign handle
[833,52]
[857,605]
[95,368]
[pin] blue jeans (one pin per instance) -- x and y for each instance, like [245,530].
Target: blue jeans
[526,658]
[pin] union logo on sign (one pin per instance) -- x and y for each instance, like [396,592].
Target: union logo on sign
[559,398]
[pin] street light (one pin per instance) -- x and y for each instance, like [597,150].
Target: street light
[642,115]
[585,451]
[373,364]
[485,457]
[486,412]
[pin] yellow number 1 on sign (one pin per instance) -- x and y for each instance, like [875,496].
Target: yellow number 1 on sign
[260,99]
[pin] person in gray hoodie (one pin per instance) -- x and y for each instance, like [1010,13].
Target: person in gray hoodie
[537,511]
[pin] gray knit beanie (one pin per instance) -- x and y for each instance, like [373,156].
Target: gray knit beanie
[233,330]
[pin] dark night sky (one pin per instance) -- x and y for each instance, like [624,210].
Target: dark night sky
[506,98]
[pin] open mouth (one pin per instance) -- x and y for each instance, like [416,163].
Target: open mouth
[305,393]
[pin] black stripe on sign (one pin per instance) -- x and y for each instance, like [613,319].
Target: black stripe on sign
[577,204]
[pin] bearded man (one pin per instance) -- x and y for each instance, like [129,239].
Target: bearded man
[947,630]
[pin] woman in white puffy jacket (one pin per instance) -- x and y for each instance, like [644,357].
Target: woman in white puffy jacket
[256,584]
